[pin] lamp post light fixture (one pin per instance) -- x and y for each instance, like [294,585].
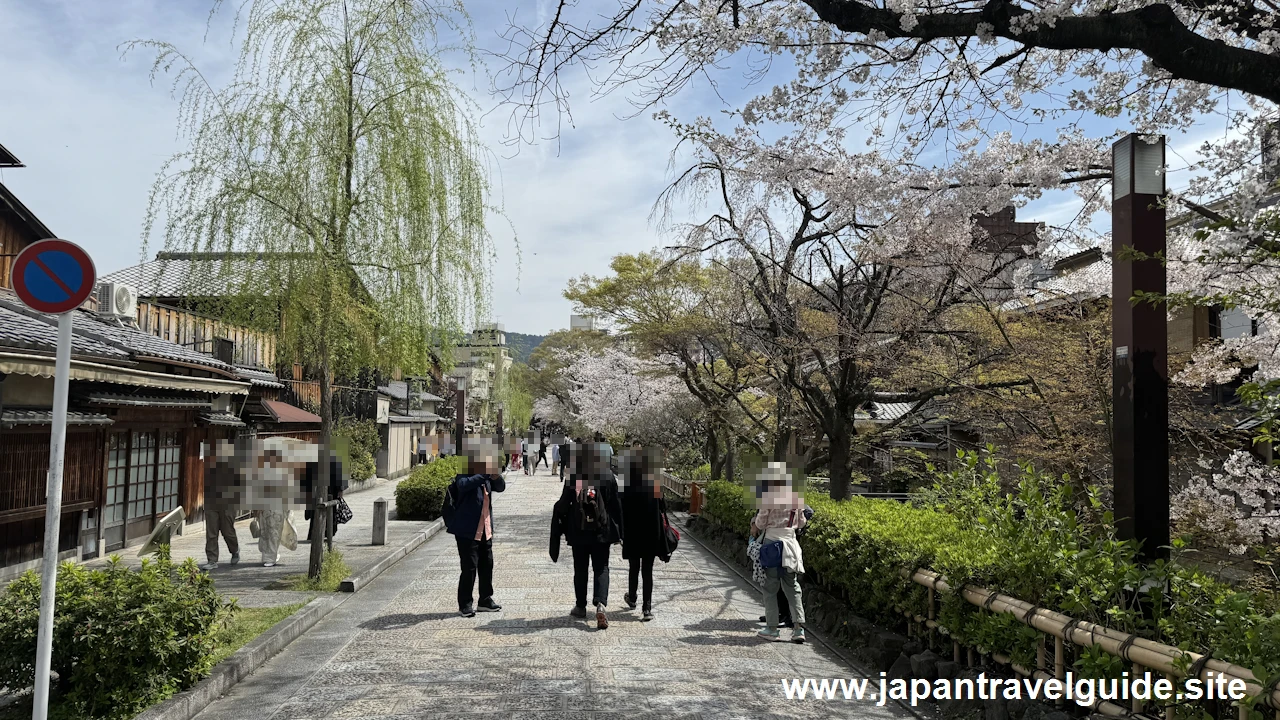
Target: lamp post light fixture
[1139,336]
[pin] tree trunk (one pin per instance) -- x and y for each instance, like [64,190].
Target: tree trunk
[713,453]
[841,472]
[321,488]
[730,459]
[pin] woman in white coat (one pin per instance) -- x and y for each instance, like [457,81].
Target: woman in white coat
[781,513]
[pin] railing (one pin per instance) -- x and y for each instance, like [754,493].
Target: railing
[347,401]
[676,486]
[1142,653]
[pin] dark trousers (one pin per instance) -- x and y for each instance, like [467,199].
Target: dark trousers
[476,555]
[641,566]
[542,459]
[597,556]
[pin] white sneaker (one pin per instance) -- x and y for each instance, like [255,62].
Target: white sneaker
[209,566]
[268,564]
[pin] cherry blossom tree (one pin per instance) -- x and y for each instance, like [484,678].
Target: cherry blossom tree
[1234,505]
[614,392]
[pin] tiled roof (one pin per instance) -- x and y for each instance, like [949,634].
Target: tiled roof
[886,411]
[258,376]
[9,418]
[398,389]
[182,276]
[92,335]
[1085,283]
[19,330]
[146,400]
[141,343]
[223,419]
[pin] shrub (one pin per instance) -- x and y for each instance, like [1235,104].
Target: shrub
[122,640]
[1033,545]
[363,442]
[420,496]
[730,505]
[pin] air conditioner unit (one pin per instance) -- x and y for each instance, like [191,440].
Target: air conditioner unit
[117,299]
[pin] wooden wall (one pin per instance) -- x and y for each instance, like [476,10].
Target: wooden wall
[197,331]
[23,483]
[23,541]
[14,236]
[25,467]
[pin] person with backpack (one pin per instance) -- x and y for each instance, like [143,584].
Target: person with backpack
[644,513]
[784,605]
[780,515]
[468,516]
[587,515]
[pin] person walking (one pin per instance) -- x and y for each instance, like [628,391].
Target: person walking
[643,533]
[423,447]
[221,503]
[555,458]
[337,487]
[471,525]
[566,458]
[587,516]
[542,454]
[781,513]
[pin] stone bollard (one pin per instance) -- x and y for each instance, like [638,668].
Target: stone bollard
[380,522]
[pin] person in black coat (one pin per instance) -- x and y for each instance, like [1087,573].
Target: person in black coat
[472,527]
[591,536]
[643,537]
[337,487]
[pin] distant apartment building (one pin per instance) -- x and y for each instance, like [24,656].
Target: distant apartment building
[482,360]
[582,322]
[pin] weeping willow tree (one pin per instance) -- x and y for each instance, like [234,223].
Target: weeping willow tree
[334,190]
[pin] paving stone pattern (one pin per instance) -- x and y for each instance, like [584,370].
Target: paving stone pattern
[248,580]
[400,650]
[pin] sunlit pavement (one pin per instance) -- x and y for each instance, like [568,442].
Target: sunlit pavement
[399,649]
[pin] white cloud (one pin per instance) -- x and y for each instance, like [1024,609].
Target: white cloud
[93,132]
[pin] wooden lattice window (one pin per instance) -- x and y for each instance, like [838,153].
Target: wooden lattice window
[168,471]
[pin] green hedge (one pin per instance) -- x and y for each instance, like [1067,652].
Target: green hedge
[122,640]
[420,496]
[1040,544]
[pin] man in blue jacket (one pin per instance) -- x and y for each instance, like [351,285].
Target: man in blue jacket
[472,526]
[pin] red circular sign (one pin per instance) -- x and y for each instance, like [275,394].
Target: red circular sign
[53,276]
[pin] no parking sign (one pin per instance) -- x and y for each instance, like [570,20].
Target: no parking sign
[54,277]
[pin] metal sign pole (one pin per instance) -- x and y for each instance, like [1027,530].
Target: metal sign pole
[52,521]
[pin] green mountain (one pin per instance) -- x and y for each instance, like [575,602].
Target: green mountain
[521,345]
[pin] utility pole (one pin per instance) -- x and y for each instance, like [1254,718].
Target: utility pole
[1139,336]
[460,402]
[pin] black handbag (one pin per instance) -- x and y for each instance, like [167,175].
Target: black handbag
[342,512]
[670,536]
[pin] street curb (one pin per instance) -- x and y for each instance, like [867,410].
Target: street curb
[185,705]
[354,582]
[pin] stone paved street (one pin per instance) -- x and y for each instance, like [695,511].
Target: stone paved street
[398,649]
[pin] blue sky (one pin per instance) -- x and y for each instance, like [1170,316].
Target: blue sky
[93,131]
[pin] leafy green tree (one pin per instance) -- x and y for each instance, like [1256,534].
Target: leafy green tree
[335,185]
